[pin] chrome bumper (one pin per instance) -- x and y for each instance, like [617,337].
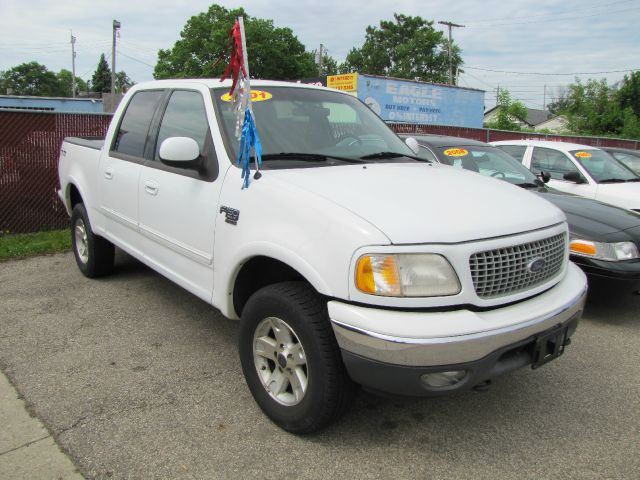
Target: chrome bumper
[431,346]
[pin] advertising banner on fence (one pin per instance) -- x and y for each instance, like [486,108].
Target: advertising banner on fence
[404,101]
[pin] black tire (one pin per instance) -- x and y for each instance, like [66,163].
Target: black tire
[329,390]
[94,254]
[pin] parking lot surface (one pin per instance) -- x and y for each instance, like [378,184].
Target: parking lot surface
[135,378]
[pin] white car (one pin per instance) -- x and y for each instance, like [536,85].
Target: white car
[579,169]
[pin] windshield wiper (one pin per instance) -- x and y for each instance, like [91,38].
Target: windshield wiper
[633,180]
[612,180]
[530,185]
[307,157]
[383,155]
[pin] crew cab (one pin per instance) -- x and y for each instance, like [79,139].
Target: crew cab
[579,169]
[348,260]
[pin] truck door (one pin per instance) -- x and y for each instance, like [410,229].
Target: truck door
[178,205]
[121,165]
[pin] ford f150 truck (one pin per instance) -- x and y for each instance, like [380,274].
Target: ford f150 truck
[348,261]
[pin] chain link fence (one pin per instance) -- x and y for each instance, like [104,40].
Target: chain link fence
[29,149]
[30,146]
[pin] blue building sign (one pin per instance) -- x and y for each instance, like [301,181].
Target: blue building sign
[52,104]
[404,101]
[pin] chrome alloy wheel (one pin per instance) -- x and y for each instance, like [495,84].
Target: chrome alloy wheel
[280,361]
[82,243]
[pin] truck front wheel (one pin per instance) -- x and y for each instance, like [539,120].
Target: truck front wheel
[291,360]
[94,254]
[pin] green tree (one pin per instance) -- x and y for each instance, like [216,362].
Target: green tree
[101,79]
[65,81]
[590,108]
[274,53]
[628,95]
[509,112]
[123,82]
[329,65]
[630,124]
[31,78]
[406,47]
[595,108]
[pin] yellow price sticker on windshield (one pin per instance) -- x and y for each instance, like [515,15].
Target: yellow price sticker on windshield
[256,96]
[583,155]
[456,152]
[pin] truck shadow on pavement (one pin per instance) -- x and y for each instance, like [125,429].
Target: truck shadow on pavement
[613,302]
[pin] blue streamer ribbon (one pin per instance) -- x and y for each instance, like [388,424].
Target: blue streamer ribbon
[248,139]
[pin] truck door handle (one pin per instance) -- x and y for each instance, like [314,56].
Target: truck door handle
[151,188]
[108,174]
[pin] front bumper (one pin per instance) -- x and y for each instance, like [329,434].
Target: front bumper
[390,350]
[622,270]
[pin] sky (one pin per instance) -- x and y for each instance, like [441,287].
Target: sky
[519,45]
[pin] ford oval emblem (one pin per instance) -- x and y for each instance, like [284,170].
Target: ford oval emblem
[536,264]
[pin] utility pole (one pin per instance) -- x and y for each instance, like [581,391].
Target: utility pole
[450,25]
[116,27]
[73,66]
[320,60]
[544,98]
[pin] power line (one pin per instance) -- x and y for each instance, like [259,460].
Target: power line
[551,14]
[94,67]
[135,59]
[551,74]
[556,19]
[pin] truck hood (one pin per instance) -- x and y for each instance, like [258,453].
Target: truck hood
[426,203]
[592,219]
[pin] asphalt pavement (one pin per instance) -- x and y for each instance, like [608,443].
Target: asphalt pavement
[135,378]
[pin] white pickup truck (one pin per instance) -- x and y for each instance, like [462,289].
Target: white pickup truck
[349,261]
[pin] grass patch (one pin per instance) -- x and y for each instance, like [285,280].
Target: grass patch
[29,244]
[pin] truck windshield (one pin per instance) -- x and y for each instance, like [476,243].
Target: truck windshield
[315,124]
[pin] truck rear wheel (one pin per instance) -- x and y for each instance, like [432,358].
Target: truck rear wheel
[94,254]
[291,360]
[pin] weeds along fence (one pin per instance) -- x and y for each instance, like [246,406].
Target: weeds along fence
[29,149]
[30,145]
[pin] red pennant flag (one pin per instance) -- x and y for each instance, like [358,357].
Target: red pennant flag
[236,63]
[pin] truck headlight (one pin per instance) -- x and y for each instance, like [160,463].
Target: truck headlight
[406,275]
[612,252]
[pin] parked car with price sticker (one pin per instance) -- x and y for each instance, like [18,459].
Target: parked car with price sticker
[347,261]
[582,170]
[605,240]
[630,158]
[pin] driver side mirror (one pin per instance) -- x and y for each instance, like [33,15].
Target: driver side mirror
[180,152]
[413,144]
[574,177]
[544,176]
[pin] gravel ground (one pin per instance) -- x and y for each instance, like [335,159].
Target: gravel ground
[136,378]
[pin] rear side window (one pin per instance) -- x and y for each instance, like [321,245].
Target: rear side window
[134,128]
[516,151]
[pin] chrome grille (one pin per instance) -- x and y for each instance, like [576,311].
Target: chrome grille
[504,271]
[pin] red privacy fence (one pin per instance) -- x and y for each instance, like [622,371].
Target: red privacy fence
[29,149]
[488,135]
[30,144]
